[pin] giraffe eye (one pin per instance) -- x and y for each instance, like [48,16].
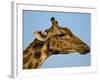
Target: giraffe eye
[61,35]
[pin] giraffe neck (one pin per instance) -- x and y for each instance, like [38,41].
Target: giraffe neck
[35,54]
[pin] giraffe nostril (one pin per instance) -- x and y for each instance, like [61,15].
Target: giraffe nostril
[87,51]
[83,49]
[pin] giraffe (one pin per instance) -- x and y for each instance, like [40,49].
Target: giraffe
[55,40]
[35,54]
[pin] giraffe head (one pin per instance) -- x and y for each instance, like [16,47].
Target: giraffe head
[62,40]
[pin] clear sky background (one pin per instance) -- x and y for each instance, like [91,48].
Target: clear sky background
[78,23]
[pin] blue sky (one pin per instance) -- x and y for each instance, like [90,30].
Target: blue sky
[78,23]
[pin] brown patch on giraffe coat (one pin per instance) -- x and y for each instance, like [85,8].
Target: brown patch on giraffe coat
[38,44]
[36,65]
[26,52]
[26,58]
[37,54]
[30,65]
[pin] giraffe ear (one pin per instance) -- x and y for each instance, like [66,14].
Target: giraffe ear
[45,33]
[41,36]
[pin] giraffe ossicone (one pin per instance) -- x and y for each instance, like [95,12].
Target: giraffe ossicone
[55,40]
